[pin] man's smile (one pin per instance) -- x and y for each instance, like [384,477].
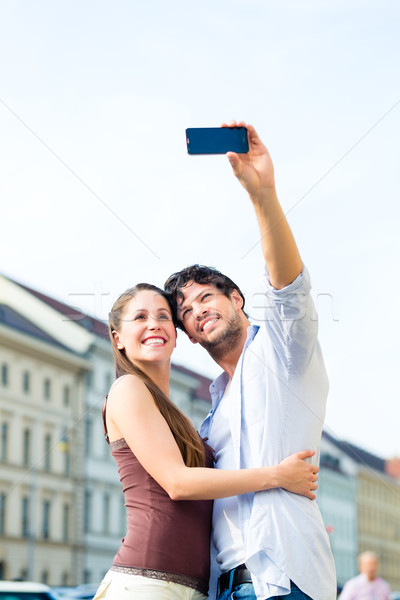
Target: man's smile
[207,323]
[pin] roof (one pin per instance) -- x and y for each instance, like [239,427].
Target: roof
[88,322]
[11,318]
[359,455]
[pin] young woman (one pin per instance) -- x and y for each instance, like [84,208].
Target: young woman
[163,463]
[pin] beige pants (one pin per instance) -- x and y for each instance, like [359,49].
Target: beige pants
[120,586]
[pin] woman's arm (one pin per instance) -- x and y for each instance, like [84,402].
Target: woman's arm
[133,415]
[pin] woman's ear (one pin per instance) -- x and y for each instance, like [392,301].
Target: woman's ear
[117,340]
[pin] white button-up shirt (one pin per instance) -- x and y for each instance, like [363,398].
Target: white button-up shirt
[277,407]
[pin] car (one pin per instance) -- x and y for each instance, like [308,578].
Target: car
[395,596]
[86,591]
[25,590]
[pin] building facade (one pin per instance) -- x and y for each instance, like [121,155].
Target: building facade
[377,504]
[41,461]
[379,521]
[337,499]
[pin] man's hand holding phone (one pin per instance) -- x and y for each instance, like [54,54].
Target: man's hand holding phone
[254,170]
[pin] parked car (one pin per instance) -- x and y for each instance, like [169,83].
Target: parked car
[25,590]
[86,591]
[395,596]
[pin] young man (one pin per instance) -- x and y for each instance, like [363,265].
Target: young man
[268,402]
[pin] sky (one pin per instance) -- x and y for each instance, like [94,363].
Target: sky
[97,191]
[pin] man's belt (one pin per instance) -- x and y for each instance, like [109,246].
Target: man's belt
[238,575]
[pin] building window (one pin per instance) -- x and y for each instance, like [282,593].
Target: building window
[87,511]
[26,382]
[88,436]
[2,513]
[87,576]
[4,441]
[66,395]
[47,389]
[64,447]
[67,462]
[25,517]
[106,513]
[26,450]
[46,520]
[89,379]
[4,375]
[47,452]
[66,510]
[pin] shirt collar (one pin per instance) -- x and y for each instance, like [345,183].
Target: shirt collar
[219,384]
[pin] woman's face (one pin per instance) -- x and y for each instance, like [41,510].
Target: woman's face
[147,331]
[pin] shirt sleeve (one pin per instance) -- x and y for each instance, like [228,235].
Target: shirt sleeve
[347,592]
[291,321]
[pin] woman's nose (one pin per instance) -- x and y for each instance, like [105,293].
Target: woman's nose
[153,323]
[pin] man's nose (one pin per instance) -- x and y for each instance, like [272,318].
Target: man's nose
[199,311]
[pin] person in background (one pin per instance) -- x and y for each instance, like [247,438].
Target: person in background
[367,585]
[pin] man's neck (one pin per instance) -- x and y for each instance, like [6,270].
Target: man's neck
[230,359]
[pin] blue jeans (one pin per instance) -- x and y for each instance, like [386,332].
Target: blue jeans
[295,594]
[245,591]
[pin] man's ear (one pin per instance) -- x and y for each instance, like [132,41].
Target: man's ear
[191,338]
[237,300]
[118,342]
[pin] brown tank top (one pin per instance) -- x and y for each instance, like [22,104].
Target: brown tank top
[166,539]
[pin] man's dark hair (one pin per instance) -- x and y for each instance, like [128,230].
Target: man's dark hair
[198,274]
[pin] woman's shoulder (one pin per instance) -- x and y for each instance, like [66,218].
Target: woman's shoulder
[127,384]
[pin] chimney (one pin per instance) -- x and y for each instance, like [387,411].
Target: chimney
[392,467]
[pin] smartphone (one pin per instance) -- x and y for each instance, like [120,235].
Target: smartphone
[217,140]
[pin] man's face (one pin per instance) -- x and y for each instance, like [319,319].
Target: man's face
[209,317]
[369,566]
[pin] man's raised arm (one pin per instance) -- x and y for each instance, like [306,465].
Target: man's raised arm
[255,172]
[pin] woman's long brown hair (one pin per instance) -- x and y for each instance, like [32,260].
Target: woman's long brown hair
[188,440]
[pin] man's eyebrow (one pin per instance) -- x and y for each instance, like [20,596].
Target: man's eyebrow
[182,306]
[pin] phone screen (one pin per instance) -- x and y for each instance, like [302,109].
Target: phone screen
[216,140]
